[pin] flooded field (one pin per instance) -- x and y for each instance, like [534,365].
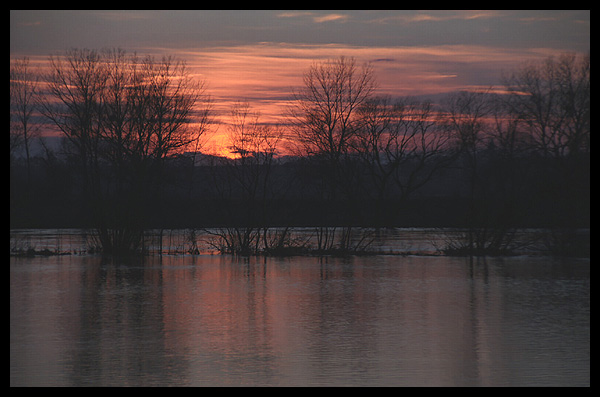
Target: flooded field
[395,241]
[219,320]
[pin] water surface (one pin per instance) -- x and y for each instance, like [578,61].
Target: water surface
[302,321]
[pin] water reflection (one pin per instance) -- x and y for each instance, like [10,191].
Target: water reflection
[217,320]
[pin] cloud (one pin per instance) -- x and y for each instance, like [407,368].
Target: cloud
[439,16]
[294,14]
[269,72]
[316,18]
[538,19]
[35,23]
[122,15]
[330,17]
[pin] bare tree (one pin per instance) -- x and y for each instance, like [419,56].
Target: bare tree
[466,113]
[74,85]
[248,180]
[24,90]
[326,107]
[553,99]
[125,116]
[574,77]
[147,110]
[466,120]
[325,119]
[172,95]
[508,133]
[398,144]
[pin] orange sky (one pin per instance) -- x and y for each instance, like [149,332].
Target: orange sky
[266,74]
[259,56]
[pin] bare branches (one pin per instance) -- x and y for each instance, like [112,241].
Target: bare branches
[553,100]
[327,105]
[130,114]
[140,107]
[24,91]
[126,115]
[397,142]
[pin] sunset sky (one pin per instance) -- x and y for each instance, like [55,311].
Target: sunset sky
[260,55]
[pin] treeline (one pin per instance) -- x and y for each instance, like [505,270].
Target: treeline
[131,158]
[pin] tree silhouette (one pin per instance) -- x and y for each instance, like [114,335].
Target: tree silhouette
[400,145]
[488,162]
[24,92]
[325,121]
[326,107]
[553,99]
[124,116]
[248,181]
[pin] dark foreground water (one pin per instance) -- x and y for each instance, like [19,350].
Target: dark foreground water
[301,321]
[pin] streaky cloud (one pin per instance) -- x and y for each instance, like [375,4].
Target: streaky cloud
[330,17]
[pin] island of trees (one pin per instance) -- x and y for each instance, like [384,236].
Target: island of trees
[131,159]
